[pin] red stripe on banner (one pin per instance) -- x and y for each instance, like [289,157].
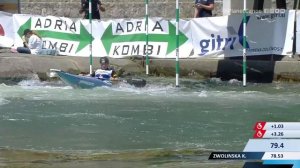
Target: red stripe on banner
[1,31]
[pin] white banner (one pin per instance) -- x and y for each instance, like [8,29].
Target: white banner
[6,30]
[298,33]
[115,38]
[213,36]
[128,38]
[63,34]
[223,36]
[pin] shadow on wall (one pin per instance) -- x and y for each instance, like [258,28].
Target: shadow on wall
[259,70]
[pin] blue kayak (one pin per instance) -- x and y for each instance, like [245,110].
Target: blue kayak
[78,81]
[87,82]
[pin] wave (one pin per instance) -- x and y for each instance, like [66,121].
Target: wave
[129,155]
[161,158]
[35,89]
[15,119]
[4,101]
[37,84]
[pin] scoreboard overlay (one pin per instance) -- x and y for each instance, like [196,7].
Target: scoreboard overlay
[274,145]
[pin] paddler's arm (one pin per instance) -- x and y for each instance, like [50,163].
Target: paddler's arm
[206,7]
[114,76]
[93,74]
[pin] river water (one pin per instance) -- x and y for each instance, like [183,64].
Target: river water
[51,124]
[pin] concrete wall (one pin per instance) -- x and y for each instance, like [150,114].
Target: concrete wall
[114,8]
[21,66]
[131,8]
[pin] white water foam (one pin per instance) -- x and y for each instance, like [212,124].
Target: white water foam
[89,115]
[215,80]
[4,101]
[149,89]
[187,145]
[15,119]
[234,82]
[37,84]
[34,89]
[3,85]
[203,94]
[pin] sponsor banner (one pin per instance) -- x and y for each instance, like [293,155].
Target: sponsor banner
[116,38]
[67,36]
[214,36]
[267,33]
[298,33]
[128,38]
[6,27]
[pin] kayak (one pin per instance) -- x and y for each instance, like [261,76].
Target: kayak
[79,81]
[87,82]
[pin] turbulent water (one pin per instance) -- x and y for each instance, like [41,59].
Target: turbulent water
[159,125]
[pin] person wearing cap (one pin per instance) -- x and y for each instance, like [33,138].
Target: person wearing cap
[34,45]
[106,72]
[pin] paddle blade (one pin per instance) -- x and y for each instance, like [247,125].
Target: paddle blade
[137,82]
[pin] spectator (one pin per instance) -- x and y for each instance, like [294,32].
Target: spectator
[281,4]
[34,45]
[203,8]
[25,41]
[259,4]
[96,8]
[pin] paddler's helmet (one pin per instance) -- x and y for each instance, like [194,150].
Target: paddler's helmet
[104,60]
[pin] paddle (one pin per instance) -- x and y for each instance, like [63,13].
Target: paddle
[137,82]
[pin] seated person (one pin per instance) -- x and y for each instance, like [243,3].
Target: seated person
[105,72]
[33,44]
[25,41]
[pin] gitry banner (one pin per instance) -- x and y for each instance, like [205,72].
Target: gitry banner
[223,36]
